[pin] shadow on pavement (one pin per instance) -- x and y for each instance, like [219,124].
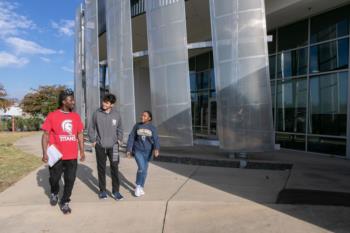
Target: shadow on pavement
[264,186]
[85,174]
[42,179]
[124,182]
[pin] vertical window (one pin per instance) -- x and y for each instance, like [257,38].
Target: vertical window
[330,25]
[291,105]
[293,36]
[292,63]
[328,104]
[329,56]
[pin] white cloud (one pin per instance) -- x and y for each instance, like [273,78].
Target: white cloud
[64,27]
[45,59]
[12,23]
[10,60]
[22,46]
[65,68]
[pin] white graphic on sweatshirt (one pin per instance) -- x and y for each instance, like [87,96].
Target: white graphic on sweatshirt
[67,126]
[143,133]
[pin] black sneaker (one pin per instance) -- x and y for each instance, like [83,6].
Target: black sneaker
[117,196]
[65,208]
[102,195]
[53,199]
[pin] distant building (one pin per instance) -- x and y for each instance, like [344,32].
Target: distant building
[14,110]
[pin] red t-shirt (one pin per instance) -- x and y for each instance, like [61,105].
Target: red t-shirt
[63,129]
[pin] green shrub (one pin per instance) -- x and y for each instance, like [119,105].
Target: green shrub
[23,124]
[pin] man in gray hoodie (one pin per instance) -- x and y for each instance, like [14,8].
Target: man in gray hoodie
[106,133]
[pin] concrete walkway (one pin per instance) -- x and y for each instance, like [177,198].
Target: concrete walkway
[179,198]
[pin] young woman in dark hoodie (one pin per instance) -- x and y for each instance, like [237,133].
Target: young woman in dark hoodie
[143,141]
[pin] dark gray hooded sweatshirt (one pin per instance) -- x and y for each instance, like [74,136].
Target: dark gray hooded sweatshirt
[106,128]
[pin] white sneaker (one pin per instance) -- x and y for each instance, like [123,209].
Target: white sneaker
[142,192]
[138,191]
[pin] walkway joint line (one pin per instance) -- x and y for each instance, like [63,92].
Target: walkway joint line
[176,192]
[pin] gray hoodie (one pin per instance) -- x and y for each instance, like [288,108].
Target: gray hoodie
[106,128]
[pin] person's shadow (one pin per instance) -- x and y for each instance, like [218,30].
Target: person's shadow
[85,174]
[42,179]
[124,182]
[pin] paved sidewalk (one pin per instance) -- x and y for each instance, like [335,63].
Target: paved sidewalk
[179,198]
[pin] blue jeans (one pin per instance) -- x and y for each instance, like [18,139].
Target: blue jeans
[142,158]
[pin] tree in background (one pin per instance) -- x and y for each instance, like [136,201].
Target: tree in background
[5,103]
[42,100]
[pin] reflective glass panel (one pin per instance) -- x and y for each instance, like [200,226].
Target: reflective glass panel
[291,105]
[292,36]
[330,25]
[291,141]
[272,44]
[326,145]
[272,66]
[329,56]
[328,104]
[292,63]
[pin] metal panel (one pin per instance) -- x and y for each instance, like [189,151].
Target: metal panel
[169,72]
[78,74]
[241,72]
[120,60]
[91,59]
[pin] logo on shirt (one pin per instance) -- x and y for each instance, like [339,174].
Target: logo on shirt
[114,121]
[144,133]
[67,126]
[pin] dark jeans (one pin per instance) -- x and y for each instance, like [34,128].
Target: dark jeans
[69,169]
[101,158]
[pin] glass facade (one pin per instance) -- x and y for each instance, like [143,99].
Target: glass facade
[309,72]
[308,67]
[203,95]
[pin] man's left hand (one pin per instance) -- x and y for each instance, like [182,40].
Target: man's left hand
[82,156]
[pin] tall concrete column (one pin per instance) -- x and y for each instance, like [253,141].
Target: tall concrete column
[92,73]
[169,71]
[120,60]
[78,65]
[244,112]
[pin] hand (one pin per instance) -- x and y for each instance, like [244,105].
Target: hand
[156,153]
[93,144]
[128,154]
[45,158]
[82,156]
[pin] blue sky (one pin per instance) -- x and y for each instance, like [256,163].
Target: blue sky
[36,44]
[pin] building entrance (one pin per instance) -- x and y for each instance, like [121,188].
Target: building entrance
[203,96]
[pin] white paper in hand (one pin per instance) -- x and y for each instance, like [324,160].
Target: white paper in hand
[54,155]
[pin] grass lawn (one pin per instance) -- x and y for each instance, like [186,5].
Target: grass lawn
[14,164]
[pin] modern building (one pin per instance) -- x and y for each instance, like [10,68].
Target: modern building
[243,74]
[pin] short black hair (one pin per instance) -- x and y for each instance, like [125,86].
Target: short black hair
[63,95]
[109,98]
[149,114]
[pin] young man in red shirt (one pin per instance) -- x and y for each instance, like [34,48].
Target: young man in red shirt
[63,129]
